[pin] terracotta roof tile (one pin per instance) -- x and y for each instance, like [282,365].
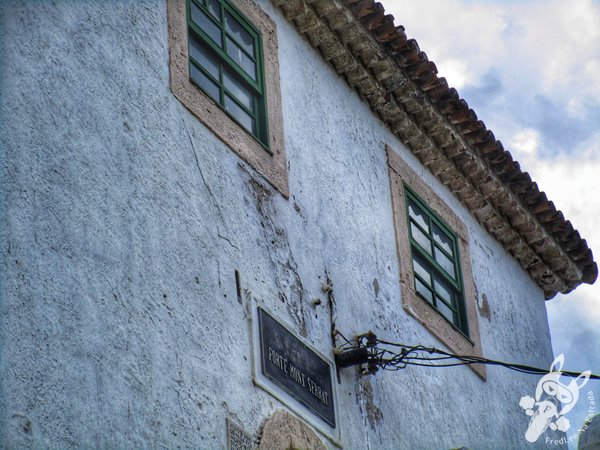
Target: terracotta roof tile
[411,99]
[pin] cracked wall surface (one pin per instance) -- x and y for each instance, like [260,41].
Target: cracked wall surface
[124,221]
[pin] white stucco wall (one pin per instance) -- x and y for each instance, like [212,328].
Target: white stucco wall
[124,219]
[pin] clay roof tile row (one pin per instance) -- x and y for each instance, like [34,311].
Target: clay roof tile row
[401,84]
[456,110]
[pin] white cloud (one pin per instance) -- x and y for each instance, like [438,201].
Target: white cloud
[547,47]
[571,182]
[475,30]
[562,45]
[457,71]
[526,143]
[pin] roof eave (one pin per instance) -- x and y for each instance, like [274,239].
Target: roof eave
[402,87]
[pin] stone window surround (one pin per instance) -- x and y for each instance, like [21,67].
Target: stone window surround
[400,173]
[270,164]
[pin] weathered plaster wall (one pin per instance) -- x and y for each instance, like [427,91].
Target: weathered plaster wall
[124,220]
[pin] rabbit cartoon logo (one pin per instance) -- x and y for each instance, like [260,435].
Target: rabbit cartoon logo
[552,401]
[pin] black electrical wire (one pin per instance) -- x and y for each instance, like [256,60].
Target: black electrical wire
[347,343]
[420,355]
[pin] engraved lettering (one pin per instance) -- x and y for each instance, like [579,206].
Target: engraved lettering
[317,391]
[278,360]
[297,375]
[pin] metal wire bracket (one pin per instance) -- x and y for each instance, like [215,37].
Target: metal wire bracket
[361,353]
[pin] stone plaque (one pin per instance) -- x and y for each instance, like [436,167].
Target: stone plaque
[237,438]
[296,368]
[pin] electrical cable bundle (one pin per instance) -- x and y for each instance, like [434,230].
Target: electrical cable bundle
[379,354]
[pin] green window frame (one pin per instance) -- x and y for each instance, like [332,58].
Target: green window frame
[226,63]
[436,262]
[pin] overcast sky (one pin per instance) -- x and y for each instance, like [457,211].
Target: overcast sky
[531,71]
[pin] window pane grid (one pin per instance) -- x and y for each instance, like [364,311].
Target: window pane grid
[221,47]
[239,115]
[437,300]
[420,237]
[240,58]
[240,35]
[443,241]
[203,58]
[424,281]
[447,312]
[443,250]
[445,263]
[250,56]
[205,22]
[441,300]
[439,297]
[435,265]
[428,243]
[206,72]
[221,54]
[241,45]
[225,95]
[235,49]
[205,82]
[239,103]
[418,216]
[420,226]
[214,7]
[422,270]
[240,21]
[424,290]
[435,262]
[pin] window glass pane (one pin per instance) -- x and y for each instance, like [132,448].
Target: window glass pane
[237,32]
[442,240]
[239,91]
[241,116]
[436,269]
[421,270]
[424,291]
[442,289]
[446,263]
[206,24]
[214,8]
[418,216]
[205,83]
[241,58]
[421,239]
[446,312]
[204,57]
